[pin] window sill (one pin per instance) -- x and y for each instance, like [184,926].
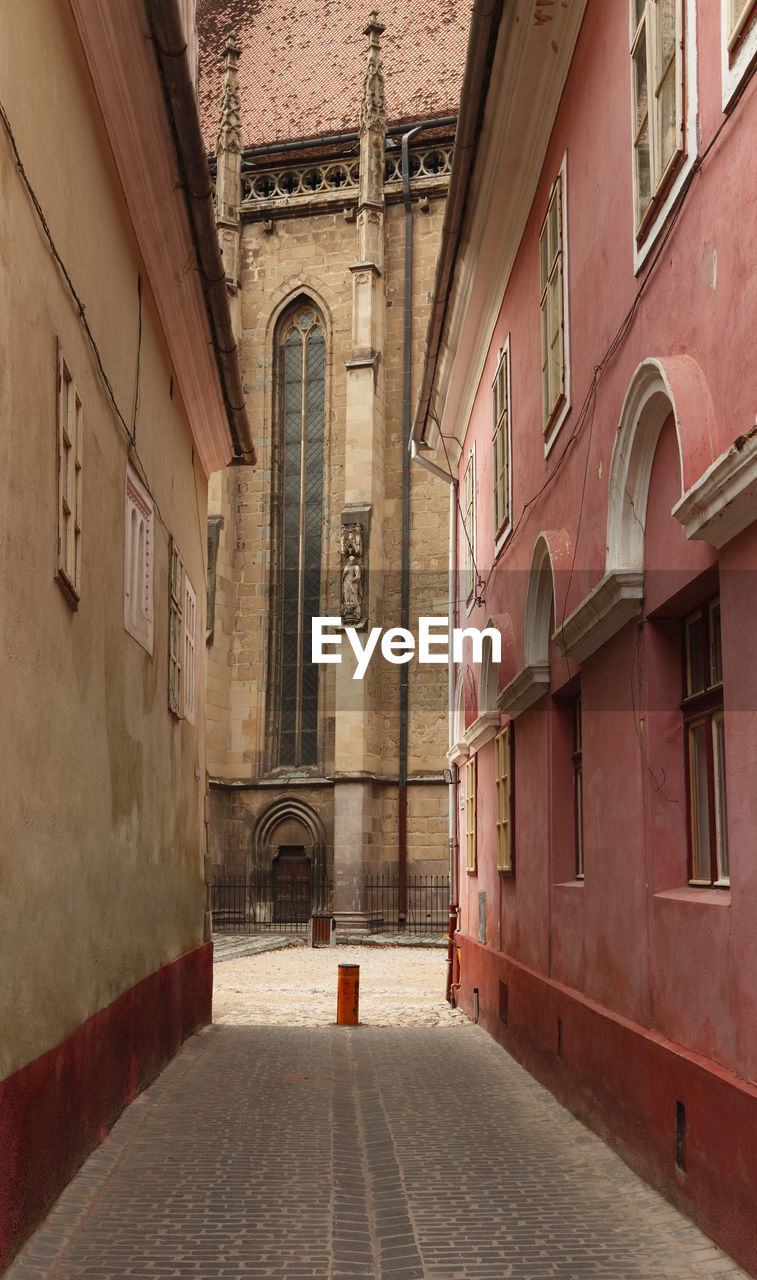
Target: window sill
[554,425]
[738,63]
[501,539]
[69,591]
[704,894]
[576,883]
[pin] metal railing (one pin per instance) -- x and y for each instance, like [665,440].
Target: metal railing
[427,904]
[265,903]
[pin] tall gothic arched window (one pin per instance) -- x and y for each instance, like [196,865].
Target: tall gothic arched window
[301,378]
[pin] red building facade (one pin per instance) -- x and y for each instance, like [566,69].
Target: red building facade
[590,390]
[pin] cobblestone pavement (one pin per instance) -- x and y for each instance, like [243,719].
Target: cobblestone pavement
[337,1153]
[230,946]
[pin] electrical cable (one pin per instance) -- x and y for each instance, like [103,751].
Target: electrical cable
[590,398]
[130,433]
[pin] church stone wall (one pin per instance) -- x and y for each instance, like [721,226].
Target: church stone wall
[310,252]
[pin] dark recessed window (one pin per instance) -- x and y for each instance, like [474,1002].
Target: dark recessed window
[704,728]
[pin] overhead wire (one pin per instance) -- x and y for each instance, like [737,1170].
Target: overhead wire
[129,432]
[599,369]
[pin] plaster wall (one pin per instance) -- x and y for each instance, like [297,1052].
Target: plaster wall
[611,935]
[103,828]
[664,960]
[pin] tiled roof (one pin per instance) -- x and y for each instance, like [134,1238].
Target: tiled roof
[302,64]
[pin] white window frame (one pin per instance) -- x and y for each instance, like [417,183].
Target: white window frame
[503,363]
[551,427]
[470,815]
[182,639]
[503,788]
[189,690]
[175,630]
[737,61]
[469,529]
[653,224]
[138,561]
[69,482]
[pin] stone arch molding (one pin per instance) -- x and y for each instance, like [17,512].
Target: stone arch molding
[463,716]
[281,810]
[552,556]
[296,292]
[486,723]
[658,388]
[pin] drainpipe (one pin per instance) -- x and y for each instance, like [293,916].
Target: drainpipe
[405,578]
[425,462]
[453,788]
[338,139]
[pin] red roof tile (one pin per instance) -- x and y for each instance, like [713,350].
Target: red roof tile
[302,66]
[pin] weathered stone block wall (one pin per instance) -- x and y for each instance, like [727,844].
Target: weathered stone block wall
[311,254]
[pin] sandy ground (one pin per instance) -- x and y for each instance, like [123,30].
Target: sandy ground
[399,987]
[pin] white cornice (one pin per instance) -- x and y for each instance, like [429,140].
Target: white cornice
[724,500]
[527,81]
[530,684]
[458,753]
[124,72]
[607,608]
[484,728]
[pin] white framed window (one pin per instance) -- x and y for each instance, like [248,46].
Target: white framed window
[739,45]
[469,527]
[470,814]
[138,561]
[69,414]
[175,629]
[190,634]
[664,111]
[503,786]
[501,448]
[553,265]
[182,629]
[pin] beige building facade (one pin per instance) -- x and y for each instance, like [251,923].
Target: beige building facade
[330,261]
[112,415]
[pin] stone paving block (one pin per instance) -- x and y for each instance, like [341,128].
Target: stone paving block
[324,1154]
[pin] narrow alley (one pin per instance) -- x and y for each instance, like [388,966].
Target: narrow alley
[318,1151]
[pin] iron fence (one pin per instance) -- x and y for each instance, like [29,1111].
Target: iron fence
[266,903]
[427,899]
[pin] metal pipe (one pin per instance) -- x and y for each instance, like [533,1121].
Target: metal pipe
[407,352]
[452,812]
[423,461]
[170,45]
[339,139]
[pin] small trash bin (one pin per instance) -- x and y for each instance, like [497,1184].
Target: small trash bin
[321,926]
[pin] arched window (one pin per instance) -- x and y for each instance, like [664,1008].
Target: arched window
[301,384]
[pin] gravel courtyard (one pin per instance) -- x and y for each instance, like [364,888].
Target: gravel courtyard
[399,987]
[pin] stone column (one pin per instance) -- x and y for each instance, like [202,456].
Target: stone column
[357,800]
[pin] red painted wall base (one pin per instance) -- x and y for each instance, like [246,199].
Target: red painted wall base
[56,1109]
[628,1085]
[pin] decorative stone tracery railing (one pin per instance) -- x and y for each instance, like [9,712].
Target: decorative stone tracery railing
[330,180]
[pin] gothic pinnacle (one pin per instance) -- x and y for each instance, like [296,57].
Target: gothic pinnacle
[373,107]
[230,123]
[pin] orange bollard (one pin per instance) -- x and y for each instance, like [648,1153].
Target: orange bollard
[347,996]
